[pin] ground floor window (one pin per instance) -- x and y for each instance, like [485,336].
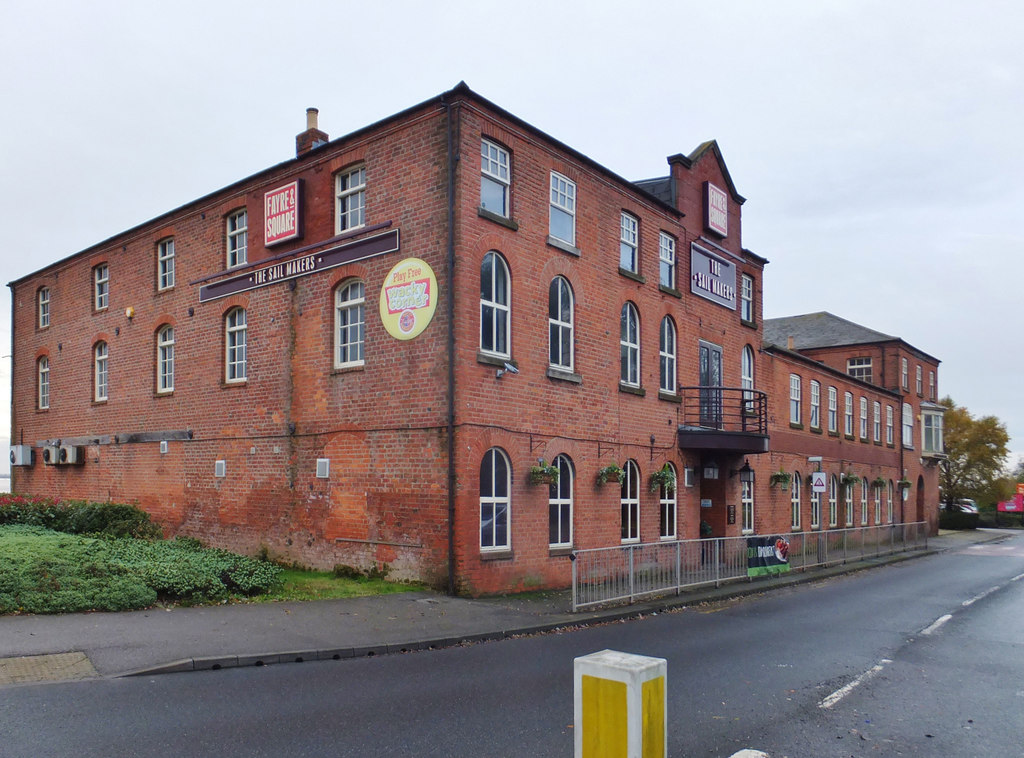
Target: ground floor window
[669,506]
[747,506]
[560,504]
[495,481]
[794,501]
[630,503]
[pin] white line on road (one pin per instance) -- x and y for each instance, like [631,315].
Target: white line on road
[976,598]
[842,692]
[936,624]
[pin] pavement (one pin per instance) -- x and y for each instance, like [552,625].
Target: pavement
[165,640]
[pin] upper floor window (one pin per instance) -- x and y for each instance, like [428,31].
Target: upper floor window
[560,496]
[495,500]
[100,372]
[876,427]
[562,218]
[494,178]
[629,503]
[794,399]
[236,334]
[560,324]
[747,376]
[43,383]
[931,431]
[43,301]
[165,264]
[667,356]
[629,346]
[833,409]
[667,260]
[919,380]
[908,425]
[494,305]
[747,298]
[848,414]
[815,419]
[863,418]
[931,386]
[165,360]
[859,368]
[238,238]
[904,374]
[349,324]
[101,286]
[350,199]
[628,242]
[888,425]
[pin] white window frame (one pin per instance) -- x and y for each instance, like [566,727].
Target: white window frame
[667,351]
[562,206]
[236,358]
[931,386]
[908,426]
[747,506]
[560,503]
[848,414]
[864,501]
[860,368]
[848,497]
[904,373]
[747,298]
[794,399]
[629,346]
[747,377]
[101,373]
[794,501]
[833,501]
[931,432]
[101,286]
[667,260]
[165,264]
[629,502]
[495,172]
[561,320]
[876,426]
[629,242]
[43,383]
[349,324]
[350,199]
[165,359]
[889,491]
[668,504]
[237,236]
[815,418]
[495,306]
[43,307]
[833,410]
[494,505]
[919,380]
[815,510]
[877,491]
[863,427]
[889,434]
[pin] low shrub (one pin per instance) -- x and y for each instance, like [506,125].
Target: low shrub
[957,520]
[79,516]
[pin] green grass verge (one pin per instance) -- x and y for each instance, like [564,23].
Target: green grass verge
[297,584]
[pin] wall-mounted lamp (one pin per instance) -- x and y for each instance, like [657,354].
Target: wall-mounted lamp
[710,470]
[746,473]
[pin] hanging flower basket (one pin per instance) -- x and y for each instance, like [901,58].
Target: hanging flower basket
[543,473]
[609,472]
[663,477]
[781,478]
[903,484]
[878,481]
[850,479]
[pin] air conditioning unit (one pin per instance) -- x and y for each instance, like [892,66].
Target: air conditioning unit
[22,455]
[51,454]
[71,455]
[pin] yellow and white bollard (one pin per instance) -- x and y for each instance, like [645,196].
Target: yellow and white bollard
[619,709]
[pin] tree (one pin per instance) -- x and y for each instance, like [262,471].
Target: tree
[976,450]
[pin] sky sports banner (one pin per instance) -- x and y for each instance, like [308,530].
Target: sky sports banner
[767,555]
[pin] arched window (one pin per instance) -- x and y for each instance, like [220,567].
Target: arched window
[495,502]
[560,496]
[848,501]
[236,334]
[560,324]
[629,346]
[747,505]
[878,503]
[100,375]
[864,501]
[815,510]
[629,501]
[833,502]
[747,376]
[165,359]
[349,324]
[667,355]
[43,383]
[794,501]
[494,306]
[889,503]
[669,506]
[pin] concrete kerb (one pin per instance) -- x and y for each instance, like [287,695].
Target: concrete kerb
[585,618]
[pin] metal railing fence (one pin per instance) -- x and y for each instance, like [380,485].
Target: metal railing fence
[630,572]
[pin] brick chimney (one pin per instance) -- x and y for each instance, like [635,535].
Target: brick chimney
[312,137]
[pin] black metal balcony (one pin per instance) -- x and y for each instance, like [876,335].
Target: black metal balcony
[724,418]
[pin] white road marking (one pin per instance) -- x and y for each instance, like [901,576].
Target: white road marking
[842,692]
[936,624]
[976,598]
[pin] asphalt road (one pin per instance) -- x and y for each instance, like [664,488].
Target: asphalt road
[860,665]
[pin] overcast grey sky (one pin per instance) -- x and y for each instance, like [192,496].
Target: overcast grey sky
[878,144]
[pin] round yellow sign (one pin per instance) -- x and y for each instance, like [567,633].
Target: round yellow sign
[408,299]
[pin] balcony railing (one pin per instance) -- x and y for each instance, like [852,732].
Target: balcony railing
[725,409]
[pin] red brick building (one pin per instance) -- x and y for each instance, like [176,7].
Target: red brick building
[375,352]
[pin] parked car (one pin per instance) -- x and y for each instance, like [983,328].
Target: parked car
[966,505]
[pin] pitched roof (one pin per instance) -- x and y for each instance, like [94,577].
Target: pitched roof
[820,330]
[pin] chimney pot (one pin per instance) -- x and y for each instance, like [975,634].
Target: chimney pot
[789,342]
[311,118]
